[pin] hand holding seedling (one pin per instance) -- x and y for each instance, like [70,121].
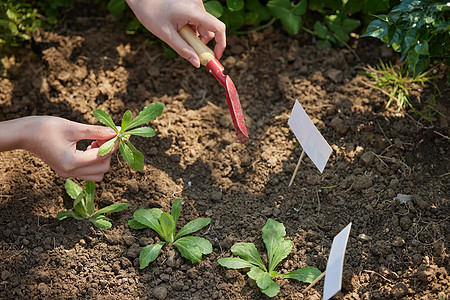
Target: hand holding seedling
[84,207]
[278,248]
[165,224]
[54,140]
[129,153]
[164,18]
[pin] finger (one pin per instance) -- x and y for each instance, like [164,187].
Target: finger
[183,48]
[217,29]
[94,172]
[88,157]
[205,35]
[94,132]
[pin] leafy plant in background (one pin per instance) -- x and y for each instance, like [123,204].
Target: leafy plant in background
[341,17]
[278,248]
[130,154]
[418,29]
[18,19]
[397,85]
[191,247]
[84,207]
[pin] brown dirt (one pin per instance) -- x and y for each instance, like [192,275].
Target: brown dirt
[395,250]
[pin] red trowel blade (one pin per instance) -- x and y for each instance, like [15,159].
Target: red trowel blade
[236,111]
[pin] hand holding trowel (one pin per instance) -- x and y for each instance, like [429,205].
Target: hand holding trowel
[208,59]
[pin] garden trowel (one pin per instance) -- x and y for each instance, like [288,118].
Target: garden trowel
[208,59]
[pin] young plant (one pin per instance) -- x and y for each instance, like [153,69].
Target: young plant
[130,154]
[84,207]
[191,247]
[397,85]
[278,248]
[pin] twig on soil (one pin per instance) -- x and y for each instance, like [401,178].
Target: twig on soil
[382,131]
[314,282]
[444,136]
[296,168]
[373,272]
[318,200]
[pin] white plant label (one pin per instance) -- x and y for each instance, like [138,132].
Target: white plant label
[335,265]
[314,144]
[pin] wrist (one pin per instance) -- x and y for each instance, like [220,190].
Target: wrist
[18,133]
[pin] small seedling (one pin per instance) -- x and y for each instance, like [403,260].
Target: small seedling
[130,154]
[83,205]
[278,248]
[191,247]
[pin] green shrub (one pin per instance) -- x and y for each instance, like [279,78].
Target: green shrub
[418,29]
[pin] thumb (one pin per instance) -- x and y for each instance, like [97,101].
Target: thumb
[95,132]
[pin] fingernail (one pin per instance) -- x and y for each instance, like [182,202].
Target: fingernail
[195,62]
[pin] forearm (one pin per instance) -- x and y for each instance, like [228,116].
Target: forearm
[18,133]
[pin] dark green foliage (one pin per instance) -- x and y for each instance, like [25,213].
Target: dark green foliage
[165,224]
[83,205]
[418,29]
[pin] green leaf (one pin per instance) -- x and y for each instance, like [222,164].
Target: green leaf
[272,290]
[101,223]
[273,233]
[149,253]
[214,8]
[305,274]
[234,263]
[300,8]
[135,224]
[235,5]
[68,214]
[167,226]
[193,226]
[126,119]
[248,252]
[422,48]
[282,250]
[188,249]
[73,189]
[80,209]
[106,119]
[291,23]
[138,163]
[279,8]
[203,244]
[116,7]
[320,30]
[149,218]
[149,113]
[376,29]
[107,147]
[78,200]
[89,190]
[261,277]
[112,208]
[126,153]
[176,210]
[142,131]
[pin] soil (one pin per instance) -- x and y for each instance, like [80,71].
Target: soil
[397,249]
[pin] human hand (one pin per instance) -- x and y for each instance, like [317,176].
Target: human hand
[165,17]
[54,141]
